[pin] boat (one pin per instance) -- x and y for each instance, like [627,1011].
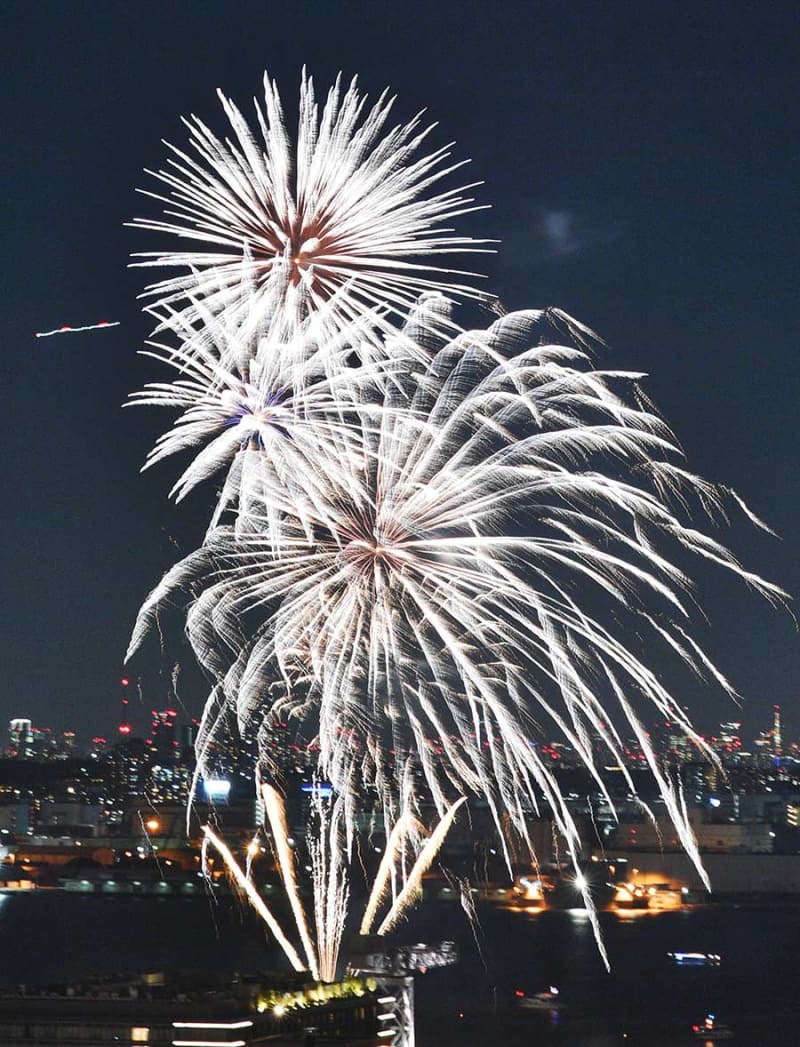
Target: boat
[709,1029]
[540,1001]
[695,959]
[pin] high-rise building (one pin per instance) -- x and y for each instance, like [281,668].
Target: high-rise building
[20,737]
[129,768]
[68,743]
[187,736]
[770,743]
[162,742]
[777,741]
[728,742]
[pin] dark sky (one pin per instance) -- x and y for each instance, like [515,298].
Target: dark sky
[642,163]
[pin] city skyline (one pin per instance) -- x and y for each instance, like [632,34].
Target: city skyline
[729,739]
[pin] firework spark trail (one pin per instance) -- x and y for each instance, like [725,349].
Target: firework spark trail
[329,861]
[383,877]
[413,886]
[252,850]
[276,814]
[255,898]
[66,329]
[341,215]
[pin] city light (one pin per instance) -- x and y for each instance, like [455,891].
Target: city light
[217,790]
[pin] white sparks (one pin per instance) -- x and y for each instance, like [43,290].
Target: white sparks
[413,886]
[338,217]
[276,815]
[433,549]
[486,556]
[255,899]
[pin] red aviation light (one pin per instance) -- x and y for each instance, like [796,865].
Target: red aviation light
[124,728]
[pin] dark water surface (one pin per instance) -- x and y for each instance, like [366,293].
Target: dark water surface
[51,936]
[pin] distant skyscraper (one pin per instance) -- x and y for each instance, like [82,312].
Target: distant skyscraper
[20,737]
[728,742]
[129,768]
[162,742]
[68,743]
[777,743]
[187,736]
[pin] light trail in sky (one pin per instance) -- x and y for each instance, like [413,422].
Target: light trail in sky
[276,814]
[66,329]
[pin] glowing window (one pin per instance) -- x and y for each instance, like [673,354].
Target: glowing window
[140,1034]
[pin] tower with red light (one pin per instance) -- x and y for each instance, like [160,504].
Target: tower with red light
[124,724]
[777,741]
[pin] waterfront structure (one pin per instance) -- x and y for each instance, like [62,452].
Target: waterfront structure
[150,1011]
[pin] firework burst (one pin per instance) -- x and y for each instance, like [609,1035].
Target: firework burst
[340,217]
[433,549]
[261,405]
[500,565]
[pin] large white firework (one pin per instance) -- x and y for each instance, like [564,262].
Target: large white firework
[345,215]
[502,563]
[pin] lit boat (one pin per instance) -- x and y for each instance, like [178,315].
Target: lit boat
[695,959]
[629,896]
[528,891]
[540,1001]
[710,1029]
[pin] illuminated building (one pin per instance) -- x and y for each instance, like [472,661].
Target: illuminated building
[391,972]
[670,741]
[777,741]
[162,742]
[712,837]
[119,1014]
[20,738]
[129,768]
[770,743]
[729,739]
[169,783]
[97,747]
[16,818]
[68,743]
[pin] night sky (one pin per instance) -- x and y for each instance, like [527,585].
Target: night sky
[641,160]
